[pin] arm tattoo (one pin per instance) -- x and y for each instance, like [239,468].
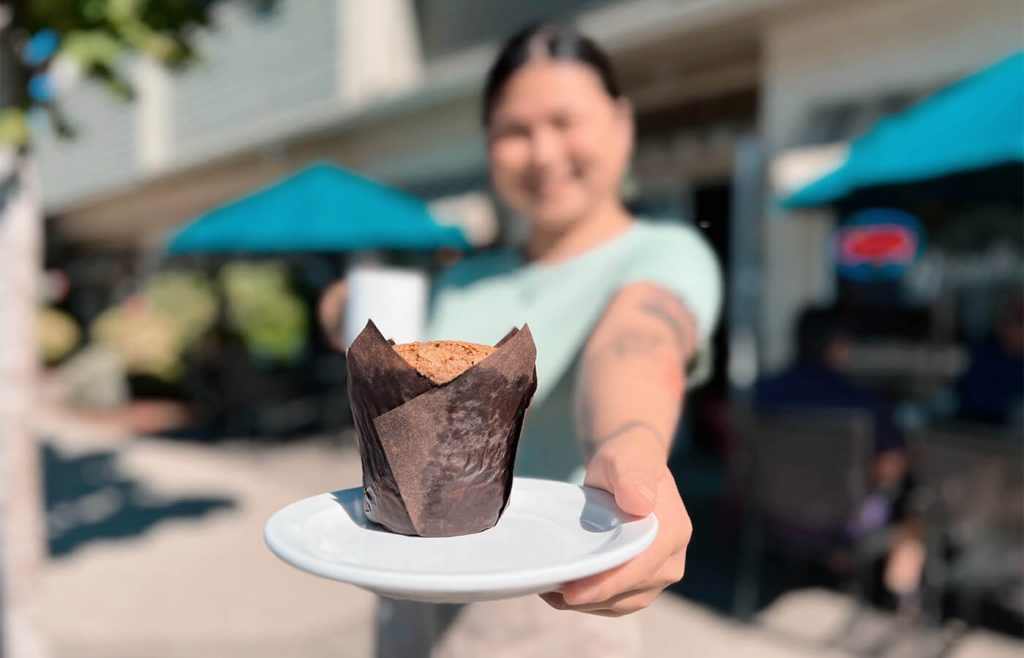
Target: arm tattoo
[667,308]
[590,442]
[632,342]
[626,427]
[637,347]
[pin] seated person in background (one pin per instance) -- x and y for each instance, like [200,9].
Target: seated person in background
[992,389]
[816,381]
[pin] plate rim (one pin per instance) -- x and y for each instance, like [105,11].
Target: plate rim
[427,583]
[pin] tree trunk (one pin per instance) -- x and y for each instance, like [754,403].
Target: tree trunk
[22,537]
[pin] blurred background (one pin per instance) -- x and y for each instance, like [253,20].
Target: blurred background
[165,387]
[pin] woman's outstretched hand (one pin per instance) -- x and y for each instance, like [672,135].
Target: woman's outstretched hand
[632,468]
[330,310]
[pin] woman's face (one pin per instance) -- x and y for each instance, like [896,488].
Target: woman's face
[558,144]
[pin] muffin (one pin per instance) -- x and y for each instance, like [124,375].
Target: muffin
[441,361]
[438,424]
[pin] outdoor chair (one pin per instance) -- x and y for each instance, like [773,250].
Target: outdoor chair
[971,488]
[806,474]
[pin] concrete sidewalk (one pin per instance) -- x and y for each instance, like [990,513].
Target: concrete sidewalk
[204,585]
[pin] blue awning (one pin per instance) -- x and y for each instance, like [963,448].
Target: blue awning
[322,208]
[974,124]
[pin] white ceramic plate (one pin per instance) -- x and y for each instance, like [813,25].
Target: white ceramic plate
[551,533]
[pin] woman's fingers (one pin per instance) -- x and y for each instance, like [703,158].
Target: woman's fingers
[609,584]
[584,595]
[668,549]
[623,604]
[555,600]
[626,602]
[641,484]
[630,468]
[330,310]
[617,590]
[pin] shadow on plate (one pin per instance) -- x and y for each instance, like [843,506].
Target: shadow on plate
[351,500]
[599,513]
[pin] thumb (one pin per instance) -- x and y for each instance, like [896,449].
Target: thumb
[630,474]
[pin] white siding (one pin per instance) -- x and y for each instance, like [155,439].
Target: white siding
[448,26]
[260,68]
[842,52]
[99,158]
[872,47]
[258,72]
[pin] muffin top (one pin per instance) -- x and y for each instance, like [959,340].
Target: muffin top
[441,361]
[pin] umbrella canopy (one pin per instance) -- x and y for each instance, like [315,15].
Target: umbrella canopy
[322,208]
[977,123]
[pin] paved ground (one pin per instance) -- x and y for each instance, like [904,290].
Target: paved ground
[161,555]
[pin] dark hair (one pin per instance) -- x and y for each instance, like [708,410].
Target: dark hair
[550,40]
[817,330]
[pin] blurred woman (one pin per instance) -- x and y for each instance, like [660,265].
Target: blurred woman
[620,310]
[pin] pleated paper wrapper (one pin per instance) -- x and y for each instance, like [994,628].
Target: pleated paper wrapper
[437,458]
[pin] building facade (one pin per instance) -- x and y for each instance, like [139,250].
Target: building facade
[729,94]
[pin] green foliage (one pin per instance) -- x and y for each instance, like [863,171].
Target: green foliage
[272,321]
[147,339]
[13,127]
[58,334]
[97,35]
[153,331]
[189,298]
[102,30]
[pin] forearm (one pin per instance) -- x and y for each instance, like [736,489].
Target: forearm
[632,378]
[629,398]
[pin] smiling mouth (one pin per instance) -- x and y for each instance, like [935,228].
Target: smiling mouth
[549,186]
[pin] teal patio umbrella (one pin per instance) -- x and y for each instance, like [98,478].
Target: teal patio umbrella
[322,208]
[974,126]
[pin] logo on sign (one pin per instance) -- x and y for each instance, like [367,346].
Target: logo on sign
[878,244]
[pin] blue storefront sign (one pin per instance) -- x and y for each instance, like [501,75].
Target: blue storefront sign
[878,244]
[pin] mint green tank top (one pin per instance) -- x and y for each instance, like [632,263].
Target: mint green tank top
[480,298]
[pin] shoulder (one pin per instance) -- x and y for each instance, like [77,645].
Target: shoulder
[678,259]
[670,235]
[677,253]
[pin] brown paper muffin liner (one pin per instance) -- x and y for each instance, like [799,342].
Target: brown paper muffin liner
[438,459]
